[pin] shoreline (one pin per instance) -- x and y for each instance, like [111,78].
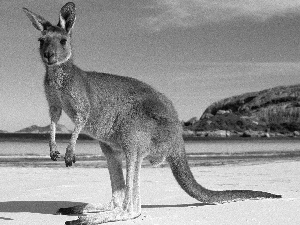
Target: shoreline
[64,137]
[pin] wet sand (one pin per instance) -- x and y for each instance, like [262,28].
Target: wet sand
[33,195]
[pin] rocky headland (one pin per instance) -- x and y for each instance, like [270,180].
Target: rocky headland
[272,112]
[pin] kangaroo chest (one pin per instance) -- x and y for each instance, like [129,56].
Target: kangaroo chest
[59,91]
[57,79]
[71,94]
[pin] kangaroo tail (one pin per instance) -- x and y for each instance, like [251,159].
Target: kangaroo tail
[186,180]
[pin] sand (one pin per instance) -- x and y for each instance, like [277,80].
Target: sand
[32,195]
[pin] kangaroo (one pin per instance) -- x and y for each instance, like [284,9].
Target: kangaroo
[127,116]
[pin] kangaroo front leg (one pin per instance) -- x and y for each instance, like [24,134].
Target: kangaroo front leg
[55,113]
[70,155]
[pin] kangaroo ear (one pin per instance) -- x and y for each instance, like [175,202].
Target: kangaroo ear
[38,22]
[67,16]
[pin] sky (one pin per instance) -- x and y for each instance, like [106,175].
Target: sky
[196,52]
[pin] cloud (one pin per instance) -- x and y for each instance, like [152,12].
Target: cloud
[187,13]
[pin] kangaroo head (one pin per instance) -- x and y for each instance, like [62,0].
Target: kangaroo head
[55,41]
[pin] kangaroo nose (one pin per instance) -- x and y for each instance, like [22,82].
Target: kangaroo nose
[48,55]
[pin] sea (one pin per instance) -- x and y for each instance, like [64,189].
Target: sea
[204,152]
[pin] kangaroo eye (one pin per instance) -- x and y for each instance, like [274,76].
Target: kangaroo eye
[63,41]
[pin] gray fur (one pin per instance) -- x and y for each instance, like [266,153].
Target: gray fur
[127,116]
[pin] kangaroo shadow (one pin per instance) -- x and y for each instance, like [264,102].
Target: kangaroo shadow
[51,207]
[42,207]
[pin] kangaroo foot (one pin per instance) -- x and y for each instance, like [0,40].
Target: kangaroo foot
[116,214]
[84,208]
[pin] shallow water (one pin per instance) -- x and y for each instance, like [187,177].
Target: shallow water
[41,148]
[243,146]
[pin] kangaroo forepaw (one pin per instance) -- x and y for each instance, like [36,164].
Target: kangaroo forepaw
[54,155]
[70,158]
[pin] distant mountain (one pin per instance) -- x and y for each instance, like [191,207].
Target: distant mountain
[37,129]
[275,110]
[3,131]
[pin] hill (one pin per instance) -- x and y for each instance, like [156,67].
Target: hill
[41,130]
[275,110]
[38,133]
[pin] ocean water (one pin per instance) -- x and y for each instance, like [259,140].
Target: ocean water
[41,148]
[204,152]
[226,146]
[243,146]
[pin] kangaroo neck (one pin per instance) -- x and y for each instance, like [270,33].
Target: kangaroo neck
[59,76]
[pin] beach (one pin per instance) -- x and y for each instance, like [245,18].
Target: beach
[32,195]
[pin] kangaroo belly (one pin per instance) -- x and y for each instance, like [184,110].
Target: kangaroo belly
[100,126]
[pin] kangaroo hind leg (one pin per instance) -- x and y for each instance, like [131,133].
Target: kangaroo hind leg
[131,205]
[114,164]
